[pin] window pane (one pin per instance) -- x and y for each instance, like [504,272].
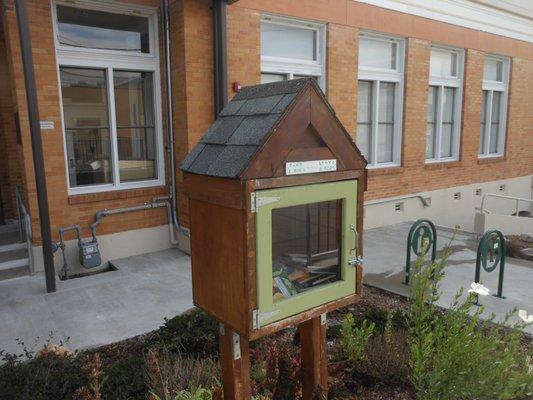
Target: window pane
[85,111]
[386,121]
[288,41]
[385,142]
[386,102]
[493,70]
[364,117]
[267,78]
[448,101]
[377,53]
[364,139]
[135,125]
[495,122]
[447,121]
[305,247]
[431,121]
[443,63]
[446,140]
[482,137]
[102,30]
[364,102]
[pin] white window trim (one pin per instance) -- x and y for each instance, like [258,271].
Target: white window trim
[503,87]
[457,83]
[109,60]
[291,67]
[377,75]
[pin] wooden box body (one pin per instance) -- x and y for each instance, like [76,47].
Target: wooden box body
[222,222]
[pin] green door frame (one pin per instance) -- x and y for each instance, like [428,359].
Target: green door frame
[270,311]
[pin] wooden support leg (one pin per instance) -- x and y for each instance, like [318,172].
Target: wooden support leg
[314,359]
[235,364]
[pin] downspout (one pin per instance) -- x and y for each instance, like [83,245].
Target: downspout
[173,214]
[36,143]
[220,54]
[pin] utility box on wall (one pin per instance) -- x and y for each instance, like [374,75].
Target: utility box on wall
[275,191]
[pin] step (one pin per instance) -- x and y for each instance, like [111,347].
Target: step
[14,272]
[10,227]
[8,238]
[14,258]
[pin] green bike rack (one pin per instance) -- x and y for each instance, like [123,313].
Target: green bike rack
[490,254]
[422,236]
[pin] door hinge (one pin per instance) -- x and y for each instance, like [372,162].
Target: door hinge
[258,318]
[236,339]
[256,201]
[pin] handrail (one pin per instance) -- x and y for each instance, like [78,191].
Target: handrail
[501,196]
[25,229]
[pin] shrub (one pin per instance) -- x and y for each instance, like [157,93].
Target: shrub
[386,357]
[171,374]
[194,333]
[275,371]
[194,393]
[125,379]
[50,375]
[454,355]
[355,339]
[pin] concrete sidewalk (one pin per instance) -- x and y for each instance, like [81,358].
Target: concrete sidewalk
[385,253]
[98,309]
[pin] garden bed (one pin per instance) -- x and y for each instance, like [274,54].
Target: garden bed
[183,353]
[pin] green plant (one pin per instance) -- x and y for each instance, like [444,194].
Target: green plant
[354,339]
[275,370]
[92,367]
[194,333]
[193,393]
[169,374]
[455,355]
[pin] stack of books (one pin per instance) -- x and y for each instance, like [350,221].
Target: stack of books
[294,273]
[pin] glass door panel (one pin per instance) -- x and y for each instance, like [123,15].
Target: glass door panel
[305,247]
[305,238]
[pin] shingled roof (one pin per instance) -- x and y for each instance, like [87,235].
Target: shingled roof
[241,128]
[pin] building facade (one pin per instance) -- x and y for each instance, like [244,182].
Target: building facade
[437,96]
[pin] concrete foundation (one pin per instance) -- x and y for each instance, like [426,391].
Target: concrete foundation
[451,206]
[112,246]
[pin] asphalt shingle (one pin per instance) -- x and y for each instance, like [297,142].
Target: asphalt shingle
[241,127]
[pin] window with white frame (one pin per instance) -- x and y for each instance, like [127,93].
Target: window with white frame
[444,104]
[379,102]
[494,106]
[110,92]
[292,49]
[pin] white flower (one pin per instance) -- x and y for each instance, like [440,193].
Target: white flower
[528,319]
[478,288]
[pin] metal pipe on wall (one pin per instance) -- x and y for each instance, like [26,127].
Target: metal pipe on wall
[220,54]
[36,143]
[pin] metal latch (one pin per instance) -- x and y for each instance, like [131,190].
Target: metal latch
[256,201]
[356,261]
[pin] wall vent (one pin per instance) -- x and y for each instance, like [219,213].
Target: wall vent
[457,196]
[398,207]
[478,192]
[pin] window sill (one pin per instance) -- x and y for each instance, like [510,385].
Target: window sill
[491,159]
[117,195]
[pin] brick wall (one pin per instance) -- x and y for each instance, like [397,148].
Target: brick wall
[10,151]
[64,209]
[192,73]
[344,19]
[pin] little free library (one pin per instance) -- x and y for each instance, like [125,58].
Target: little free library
[275,190]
